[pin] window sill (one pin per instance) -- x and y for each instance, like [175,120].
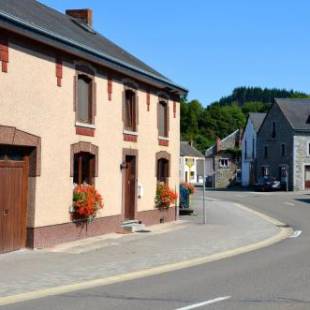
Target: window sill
[163,141]
[129,132]
[85,125]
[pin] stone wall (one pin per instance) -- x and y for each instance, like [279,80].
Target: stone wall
[302,158]
[284,135]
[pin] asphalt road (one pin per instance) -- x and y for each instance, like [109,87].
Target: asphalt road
[276,277]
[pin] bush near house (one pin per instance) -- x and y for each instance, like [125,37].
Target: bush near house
[86,202]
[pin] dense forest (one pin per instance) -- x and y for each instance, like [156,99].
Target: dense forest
[202,125]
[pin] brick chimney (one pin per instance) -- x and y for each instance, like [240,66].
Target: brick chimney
[218,144]
[84,15]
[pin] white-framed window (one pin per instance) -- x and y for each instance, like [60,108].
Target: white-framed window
[224,163]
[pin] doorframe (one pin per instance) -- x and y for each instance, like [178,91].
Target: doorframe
[134,153]
[14,137]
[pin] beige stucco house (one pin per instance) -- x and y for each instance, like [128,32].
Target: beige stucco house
[77,108]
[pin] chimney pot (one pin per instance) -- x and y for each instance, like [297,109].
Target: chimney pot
[84,15]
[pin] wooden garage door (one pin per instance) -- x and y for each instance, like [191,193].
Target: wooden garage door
[13,197]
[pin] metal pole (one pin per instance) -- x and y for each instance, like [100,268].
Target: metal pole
[203,193]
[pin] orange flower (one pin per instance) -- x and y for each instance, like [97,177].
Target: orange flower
[86,201]
[165,196]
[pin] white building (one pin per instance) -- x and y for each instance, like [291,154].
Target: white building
[191,164]
[249,139]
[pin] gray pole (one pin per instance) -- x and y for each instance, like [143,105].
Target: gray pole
[203,193]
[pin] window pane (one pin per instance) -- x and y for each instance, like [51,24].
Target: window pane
[130,110]
[162,119]
[162,170]
[84,164]
[84,99]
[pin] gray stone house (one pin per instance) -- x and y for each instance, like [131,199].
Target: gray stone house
[223,161]
[283,143]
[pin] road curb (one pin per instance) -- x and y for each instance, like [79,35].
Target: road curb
[284,232]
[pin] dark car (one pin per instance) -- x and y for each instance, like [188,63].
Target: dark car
[267,184]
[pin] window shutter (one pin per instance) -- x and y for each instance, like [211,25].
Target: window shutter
[75,93]
[166,169]
[167,118]
[94,99]
[124,108]
[136,107]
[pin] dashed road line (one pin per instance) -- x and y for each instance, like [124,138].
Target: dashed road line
[205,303]
[296,234]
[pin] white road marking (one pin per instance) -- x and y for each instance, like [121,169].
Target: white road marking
[296,234]
[205,303]
[289,203]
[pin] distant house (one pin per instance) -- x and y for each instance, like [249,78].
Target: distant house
[191,164]
[283,143]
[249,140]
[222,161]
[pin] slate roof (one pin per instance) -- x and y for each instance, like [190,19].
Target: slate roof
[226,143]
[187,150]
[297,112]
[37,21]
[257,119]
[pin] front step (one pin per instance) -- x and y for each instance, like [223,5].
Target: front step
[133,225]
[130,222]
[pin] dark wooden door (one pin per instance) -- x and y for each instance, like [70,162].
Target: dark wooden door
[307,177]
[13,201]
[130,188]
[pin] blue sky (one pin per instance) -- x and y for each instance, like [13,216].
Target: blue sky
[211,46]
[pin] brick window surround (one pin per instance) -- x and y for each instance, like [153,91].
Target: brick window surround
[129,134]
[13,136]
[59,70]
[4,52]
[85,147]
[163,99]
[162,155]
[87,73]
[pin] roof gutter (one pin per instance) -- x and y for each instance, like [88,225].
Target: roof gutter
[85,48]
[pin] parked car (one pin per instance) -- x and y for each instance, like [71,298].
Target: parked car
[266,184]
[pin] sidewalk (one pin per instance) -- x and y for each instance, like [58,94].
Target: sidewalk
[228,227]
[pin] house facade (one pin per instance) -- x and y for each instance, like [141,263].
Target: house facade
[191,164]
[283,143]
[75,109]
[223,161]
[248,148]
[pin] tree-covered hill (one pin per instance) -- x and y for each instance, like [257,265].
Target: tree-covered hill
[203,124]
